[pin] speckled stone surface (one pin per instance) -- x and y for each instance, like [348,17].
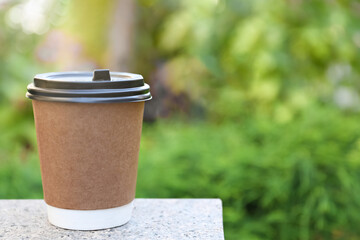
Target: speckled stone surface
[151,219]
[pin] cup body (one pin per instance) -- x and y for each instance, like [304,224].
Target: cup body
[88,157]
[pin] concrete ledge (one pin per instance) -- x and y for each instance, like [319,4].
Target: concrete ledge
[152,219]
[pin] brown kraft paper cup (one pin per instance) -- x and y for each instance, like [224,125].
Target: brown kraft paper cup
[88,152]
[88,127]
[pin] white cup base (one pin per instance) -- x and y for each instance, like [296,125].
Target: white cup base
[89,219]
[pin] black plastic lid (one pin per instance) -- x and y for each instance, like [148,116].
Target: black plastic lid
[101,86]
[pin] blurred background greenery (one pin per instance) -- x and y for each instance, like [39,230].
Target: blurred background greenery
[255,102]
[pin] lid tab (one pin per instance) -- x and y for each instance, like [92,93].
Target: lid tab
[101,75]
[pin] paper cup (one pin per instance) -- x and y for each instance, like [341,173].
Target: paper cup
[88,147]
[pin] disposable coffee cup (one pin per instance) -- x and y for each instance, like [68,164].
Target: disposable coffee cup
[88,128]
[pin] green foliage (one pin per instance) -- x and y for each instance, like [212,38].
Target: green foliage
[257,54]
[19,165]
[294,181]
[17,61]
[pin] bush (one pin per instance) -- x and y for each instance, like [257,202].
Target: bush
[294,181]
[19,165]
